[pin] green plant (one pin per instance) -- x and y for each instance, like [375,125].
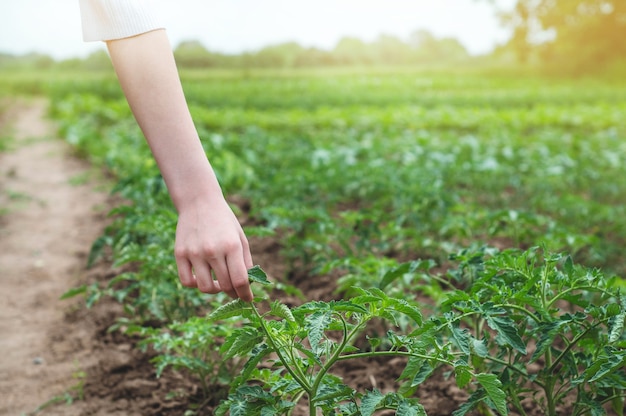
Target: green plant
[309,340]
[520,309]
[549,329]
[192,346]
[69,396]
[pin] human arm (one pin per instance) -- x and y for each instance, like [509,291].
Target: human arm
[208,235]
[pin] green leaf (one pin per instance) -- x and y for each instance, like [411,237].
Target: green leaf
[316,324]
[239,407]
[97,248]
[412,367]
[346,306]
[425,370]
[257,275]
[334,392]
[404,307]
[404,269]
[282,311]
[74,292]
[232,308]
[461,336]
[462,373]
[268,411]
[474,399]
[363,299]
[493,388]
[507,331]
[241,342]
[548,333]
[616,327]
[406,408]
[256,355]
[609,364]
[479,347]
[370,401]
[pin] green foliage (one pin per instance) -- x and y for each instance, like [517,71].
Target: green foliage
[483,333]
[405,186]
[192,346]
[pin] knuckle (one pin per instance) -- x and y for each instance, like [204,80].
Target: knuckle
[209,250]
[231,245]
[180,252]
[206,288]
[240,284]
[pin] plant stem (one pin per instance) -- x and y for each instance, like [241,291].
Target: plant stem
[393,354]
[300,380]
[333,358]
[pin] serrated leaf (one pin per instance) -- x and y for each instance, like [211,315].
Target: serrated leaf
[334,392]
[254,392]
[316,324]
[505,327]
[461,336]
[363,299]
[257,275]
[412,367]
[241,342]
[493,389]
[608,365]
[425,370]
[239,407]
[377,292]
[233,308]
[268,411]
[370,401]
[256,355]
[314,359]
[282,311]
[616,327]
[462,373]
[479,347]
[546,339]
[406,408]
[474,399]
[402,306]
[347,306]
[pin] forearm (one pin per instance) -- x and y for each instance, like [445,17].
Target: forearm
[148,75]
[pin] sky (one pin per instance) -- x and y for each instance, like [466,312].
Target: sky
[231,26]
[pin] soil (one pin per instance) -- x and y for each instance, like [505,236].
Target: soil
[57,357]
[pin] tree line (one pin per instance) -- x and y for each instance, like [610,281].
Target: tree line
[558,36]
[420,48]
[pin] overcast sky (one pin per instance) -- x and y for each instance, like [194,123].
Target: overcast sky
[231,26]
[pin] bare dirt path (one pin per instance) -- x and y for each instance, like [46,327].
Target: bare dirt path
[50,213]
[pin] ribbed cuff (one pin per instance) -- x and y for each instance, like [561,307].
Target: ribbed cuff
[116,19]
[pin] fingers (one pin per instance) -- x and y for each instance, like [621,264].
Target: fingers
[185,272]
[239,277]
[204,277]
[212,273]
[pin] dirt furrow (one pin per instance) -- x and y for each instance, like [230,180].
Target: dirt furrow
[51,213]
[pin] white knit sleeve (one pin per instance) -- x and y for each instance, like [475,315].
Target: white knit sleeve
[116,19]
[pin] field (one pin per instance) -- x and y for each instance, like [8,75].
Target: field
[435,242]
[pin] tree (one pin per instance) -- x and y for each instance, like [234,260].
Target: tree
[192,54]
[581,36]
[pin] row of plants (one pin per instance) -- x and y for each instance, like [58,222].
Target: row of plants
[441,191]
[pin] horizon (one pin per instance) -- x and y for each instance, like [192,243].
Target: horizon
[319,25]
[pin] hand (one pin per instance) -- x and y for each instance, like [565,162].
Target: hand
[212,251]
